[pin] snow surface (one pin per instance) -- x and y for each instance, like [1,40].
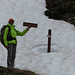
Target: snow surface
[32,48]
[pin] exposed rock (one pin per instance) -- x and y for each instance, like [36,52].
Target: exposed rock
[6,71]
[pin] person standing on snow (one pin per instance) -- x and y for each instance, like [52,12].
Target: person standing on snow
[11,42]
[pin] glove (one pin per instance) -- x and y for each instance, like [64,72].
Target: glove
[6,47]
[29,27]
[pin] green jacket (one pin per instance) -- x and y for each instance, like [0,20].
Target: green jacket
[13,33]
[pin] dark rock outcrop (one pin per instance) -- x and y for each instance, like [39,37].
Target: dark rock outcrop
[6,71]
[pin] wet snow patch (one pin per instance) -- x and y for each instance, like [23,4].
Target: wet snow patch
[42,48]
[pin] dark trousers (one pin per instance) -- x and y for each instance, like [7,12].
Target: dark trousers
[11,55]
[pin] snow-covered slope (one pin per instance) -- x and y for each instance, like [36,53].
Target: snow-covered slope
[32,48]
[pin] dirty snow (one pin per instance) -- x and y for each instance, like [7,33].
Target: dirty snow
[32,47]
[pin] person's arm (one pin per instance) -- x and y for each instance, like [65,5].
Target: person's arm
[5,36]
[24,32]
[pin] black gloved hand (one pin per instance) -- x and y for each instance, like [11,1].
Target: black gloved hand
[6,47]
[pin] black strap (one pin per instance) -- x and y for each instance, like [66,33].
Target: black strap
[9,37]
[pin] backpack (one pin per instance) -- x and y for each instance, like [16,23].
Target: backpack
[2,33]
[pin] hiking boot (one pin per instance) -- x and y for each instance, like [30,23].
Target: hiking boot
[10,67]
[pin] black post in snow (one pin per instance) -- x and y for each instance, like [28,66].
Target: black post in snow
[49,41]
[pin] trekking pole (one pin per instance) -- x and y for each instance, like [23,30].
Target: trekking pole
[49,41]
